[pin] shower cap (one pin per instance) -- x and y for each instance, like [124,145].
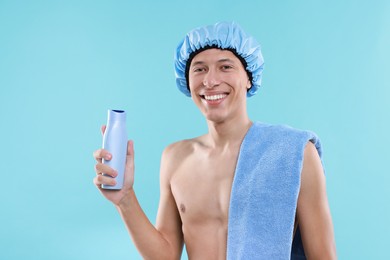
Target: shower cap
[223,35]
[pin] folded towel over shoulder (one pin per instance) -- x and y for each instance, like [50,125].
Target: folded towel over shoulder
[265,192]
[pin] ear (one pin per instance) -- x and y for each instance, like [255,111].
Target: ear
[248,84]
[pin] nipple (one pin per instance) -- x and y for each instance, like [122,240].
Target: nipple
[182,208]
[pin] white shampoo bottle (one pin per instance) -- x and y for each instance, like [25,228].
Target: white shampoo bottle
[115,142]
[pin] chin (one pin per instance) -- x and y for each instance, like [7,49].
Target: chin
[216,118]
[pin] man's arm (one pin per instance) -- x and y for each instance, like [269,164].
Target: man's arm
[168,217]
[163,242]
[313,211]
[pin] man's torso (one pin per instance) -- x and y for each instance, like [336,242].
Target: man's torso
[201,185]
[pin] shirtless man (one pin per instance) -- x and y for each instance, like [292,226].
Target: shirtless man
[197,174]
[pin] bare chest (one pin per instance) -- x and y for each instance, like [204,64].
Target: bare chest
[202,187]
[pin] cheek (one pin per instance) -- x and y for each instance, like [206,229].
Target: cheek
[195,86]
[243,84]
[192,84]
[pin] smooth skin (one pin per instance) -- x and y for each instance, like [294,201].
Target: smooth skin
[196,175]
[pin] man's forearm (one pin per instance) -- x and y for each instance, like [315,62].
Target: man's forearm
[149,241]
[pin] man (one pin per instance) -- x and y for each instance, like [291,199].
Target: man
[244,190]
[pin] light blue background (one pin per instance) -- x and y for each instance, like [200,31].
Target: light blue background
[64,63]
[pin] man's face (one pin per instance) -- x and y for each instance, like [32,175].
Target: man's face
[218,84]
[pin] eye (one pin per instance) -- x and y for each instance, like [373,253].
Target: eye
[226,67]
[198,69]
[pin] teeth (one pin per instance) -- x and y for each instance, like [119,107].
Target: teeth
[215,97]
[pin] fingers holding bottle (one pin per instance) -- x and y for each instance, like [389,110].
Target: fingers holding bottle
[101,154]
[105,175]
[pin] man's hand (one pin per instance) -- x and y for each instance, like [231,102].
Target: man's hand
[115,196]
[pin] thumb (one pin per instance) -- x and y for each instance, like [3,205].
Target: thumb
[130,154]
[103,129]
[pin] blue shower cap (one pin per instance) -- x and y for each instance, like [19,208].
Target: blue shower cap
[223,35]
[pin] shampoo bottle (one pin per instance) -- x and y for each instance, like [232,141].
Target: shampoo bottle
[115,142]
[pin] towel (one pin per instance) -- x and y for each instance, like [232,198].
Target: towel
[265,192]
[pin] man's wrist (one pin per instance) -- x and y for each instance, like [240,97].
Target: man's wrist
[126,201]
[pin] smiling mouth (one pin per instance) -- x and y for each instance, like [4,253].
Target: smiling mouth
[214,97]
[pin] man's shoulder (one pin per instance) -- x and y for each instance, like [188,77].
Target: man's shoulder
[181,149]
[175,154]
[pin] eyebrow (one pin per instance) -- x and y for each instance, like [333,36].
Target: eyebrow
[218,61]
[225,60]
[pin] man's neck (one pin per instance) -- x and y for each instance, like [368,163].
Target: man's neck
[232,132]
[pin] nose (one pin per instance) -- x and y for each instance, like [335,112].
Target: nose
[211,79]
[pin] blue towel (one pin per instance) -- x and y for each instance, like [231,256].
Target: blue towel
[265,192]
